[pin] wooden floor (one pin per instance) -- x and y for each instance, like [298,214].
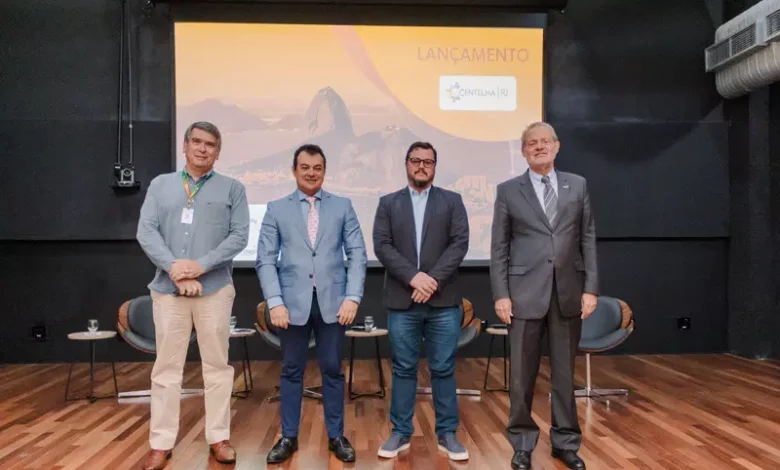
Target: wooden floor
[684,412]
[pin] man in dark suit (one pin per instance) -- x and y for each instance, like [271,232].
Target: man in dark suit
[544,277]
[421,235]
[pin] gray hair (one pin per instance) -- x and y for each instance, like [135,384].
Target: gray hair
[534,126]
[204,126]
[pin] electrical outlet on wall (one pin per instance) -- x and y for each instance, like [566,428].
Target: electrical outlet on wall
[684,323]
[38,332]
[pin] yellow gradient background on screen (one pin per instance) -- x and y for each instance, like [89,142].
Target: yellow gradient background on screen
[411,59]
[235,61]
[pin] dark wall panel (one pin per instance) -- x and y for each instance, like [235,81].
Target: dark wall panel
[72,282]
[664,281]
[664,180]
[754,287]
[60,59]
[58,116]
[754,249]
[64,170]
[632,62]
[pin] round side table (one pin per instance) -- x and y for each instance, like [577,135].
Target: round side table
[246,367]
[375,333]
[497,330]
[91,338]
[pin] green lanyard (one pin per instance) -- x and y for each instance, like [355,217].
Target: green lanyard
[198,185]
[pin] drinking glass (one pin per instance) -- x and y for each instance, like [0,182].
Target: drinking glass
[369,322]
[233,323]
[92,326]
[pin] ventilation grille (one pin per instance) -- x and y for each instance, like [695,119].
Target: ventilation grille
[719,53]
[743,40]
[773,26]
[737,45]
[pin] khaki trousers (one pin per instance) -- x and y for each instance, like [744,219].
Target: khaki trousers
[174,317]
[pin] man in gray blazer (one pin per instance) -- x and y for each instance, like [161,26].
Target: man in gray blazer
[308,287]
[544,276]
[421,235]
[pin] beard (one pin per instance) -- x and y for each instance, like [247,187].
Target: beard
[420,180]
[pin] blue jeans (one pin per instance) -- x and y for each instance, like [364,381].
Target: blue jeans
[441,329]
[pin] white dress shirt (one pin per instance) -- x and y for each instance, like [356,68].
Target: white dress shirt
[536,180]
[419,203]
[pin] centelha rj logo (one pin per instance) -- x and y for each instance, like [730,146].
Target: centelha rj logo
[477,93]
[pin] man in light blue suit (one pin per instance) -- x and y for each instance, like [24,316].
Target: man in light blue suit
[300,263]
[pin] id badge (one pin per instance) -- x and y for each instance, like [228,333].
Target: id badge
[187,214]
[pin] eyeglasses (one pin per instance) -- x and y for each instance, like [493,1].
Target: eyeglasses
[428,163]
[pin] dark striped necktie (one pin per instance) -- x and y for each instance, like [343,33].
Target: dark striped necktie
[550,200]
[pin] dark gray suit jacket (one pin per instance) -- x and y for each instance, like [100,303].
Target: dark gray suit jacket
[445,241]
[526,250]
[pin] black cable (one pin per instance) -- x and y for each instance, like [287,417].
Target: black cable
[130,82]
[121,82]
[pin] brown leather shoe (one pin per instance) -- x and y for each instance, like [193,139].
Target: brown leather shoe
[223,452]
[157,459]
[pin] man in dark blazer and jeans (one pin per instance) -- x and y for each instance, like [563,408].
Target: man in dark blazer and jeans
[421,235]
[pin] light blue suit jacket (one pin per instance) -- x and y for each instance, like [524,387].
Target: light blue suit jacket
[291,276]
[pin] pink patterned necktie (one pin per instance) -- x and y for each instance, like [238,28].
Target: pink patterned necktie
[313,222]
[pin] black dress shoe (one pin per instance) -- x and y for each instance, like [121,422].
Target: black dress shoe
[570,458]
[521,460]
[283,450]
[342,448]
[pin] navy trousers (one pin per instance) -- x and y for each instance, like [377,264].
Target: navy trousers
[295,348]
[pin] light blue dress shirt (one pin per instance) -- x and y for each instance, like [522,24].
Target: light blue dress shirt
[219,230]
[419,202]
[305,207]
[536,180]
[305,204]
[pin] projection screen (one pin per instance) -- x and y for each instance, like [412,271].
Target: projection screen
[364,94]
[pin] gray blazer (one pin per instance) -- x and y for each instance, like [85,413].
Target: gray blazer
[525,250]
[445,242]
[291,276]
